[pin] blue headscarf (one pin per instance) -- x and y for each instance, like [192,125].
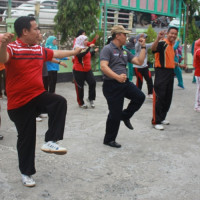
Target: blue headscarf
[49,43]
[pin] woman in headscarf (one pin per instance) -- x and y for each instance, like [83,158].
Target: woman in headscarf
[82,32]
[196,64]
[82,72]
[53,67]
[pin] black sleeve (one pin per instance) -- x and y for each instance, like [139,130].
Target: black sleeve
[160,46]
[92,53]
[83,53]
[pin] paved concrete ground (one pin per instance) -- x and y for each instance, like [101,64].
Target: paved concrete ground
[151,165]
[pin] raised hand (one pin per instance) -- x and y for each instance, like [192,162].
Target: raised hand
[161,35]
[142,41]
[6,38]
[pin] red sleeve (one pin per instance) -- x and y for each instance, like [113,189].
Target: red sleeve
[48,54]
[92,42]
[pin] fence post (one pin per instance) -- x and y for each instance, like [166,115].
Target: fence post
[9,8]
[37,11]
[130,23]
[116,14]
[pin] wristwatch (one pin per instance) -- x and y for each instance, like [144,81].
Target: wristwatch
[59,62]
[143,47]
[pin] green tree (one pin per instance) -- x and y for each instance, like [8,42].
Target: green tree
[74,15]
[191,7]
[193,32]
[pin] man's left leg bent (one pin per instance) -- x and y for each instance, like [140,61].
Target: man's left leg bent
[137,98]
[56,107]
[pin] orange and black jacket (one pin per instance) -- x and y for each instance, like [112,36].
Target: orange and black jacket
[164,55]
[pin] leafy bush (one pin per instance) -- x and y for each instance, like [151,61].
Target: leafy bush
[152,35]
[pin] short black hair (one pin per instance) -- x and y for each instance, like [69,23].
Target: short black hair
[23,23]
[113,36]
[172,27]
[80,32]
[109,40]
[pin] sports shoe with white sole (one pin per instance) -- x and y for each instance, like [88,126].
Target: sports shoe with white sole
[43,115]
[84,106]
[53,147]
[159,127]
[38,119]
[28,181]
[91,102]
[165,122]
[150,96]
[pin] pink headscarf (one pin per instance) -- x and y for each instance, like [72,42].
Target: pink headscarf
[196,49]
[80,41]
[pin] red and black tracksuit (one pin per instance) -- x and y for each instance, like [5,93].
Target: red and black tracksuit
[82,72]
[144,72]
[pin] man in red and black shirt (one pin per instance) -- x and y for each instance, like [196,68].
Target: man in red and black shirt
[26,94]
[164,76]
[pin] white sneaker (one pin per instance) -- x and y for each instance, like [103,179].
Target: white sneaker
[84,106]
[28,181]
[38,119]
[53,147]
[159,127]
[165,122]
[44,115]
[150,96]
[91,103]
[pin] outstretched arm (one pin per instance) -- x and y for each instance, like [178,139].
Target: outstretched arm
[66,53]
[59,62]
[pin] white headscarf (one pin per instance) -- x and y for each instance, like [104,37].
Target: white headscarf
[80,41]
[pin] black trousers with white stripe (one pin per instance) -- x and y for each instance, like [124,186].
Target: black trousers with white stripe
[115,93]
[25,122]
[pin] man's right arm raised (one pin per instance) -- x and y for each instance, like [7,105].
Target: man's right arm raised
[5,40]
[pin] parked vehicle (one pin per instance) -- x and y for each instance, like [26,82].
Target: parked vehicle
[175,22]
[48,10]
[162,21]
